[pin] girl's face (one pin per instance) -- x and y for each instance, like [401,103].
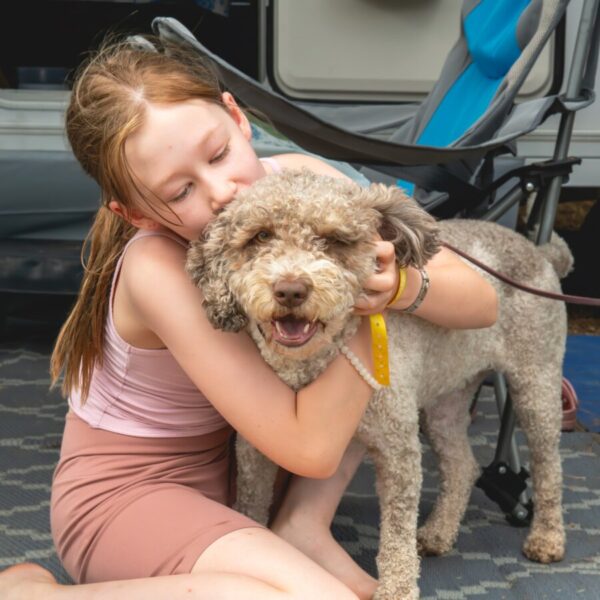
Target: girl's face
[195,156]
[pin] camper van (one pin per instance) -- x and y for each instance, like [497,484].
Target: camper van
[362,54]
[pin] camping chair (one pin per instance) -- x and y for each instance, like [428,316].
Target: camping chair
[451,150]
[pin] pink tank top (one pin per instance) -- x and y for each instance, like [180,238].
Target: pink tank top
[143,392]
[272,162]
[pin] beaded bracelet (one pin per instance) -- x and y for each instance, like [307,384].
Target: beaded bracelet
[422,293]
[360,368]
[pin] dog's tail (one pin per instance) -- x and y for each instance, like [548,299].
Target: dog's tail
[557,253]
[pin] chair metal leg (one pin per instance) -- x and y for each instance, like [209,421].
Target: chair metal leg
[506,450]
[586,46]
[505,481]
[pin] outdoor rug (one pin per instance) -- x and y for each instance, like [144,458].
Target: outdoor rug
[486,563]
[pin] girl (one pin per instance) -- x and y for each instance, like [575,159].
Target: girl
[141,495]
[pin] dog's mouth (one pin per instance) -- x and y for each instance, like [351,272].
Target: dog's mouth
[293,331]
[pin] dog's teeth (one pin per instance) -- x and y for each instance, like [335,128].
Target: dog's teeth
[306,327]
[279,330]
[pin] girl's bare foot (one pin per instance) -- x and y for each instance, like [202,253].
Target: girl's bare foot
[26,581]
[318,543]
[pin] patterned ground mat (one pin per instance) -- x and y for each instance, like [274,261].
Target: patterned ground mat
[486,563]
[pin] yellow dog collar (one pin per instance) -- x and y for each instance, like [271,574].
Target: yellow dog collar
[379,349]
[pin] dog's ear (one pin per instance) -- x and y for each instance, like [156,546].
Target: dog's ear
[209,270]
[413,231]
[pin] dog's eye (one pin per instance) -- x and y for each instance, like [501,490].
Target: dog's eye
[337,240]
[263,236]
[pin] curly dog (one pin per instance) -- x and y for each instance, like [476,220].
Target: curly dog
[287,259]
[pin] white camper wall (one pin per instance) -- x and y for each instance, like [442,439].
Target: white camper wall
[369,49]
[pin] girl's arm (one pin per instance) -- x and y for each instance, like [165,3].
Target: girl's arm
[458,297]
[305,432]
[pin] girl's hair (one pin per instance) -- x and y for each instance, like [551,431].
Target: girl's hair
[110,94]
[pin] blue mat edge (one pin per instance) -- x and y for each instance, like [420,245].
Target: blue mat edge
[582,369]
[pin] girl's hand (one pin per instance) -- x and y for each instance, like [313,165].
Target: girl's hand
[380,287]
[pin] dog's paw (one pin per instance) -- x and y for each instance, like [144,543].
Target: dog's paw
[545,547]
[430,542]
[384,592]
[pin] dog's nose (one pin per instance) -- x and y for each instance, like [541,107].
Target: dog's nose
[290,293]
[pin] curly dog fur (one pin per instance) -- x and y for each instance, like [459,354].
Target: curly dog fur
[311,234]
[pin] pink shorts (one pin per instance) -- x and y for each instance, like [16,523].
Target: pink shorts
[125,507]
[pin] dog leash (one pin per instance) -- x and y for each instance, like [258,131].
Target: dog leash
[525,288]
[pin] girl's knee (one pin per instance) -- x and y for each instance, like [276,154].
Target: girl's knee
[323,585]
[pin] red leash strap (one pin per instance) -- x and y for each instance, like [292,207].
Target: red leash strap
[525,288]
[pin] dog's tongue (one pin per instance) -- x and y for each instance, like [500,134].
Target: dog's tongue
[291,331]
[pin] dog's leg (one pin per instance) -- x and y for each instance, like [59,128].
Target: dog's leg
[396,452]
[536,396]
[255,482]
[446,425]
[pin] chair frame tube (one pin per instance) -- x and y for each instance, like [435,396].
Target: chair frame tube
[548,203]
